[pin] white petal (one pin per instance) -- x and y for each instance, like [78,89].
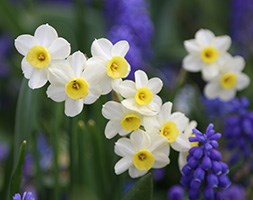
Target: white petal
[151,124]
[192,46]
[135,173]
[158,143]
[77,61]
[182,159]
[180,119]
[56,92]
[236,63]
[27,68]
[123,147]
[211,90]
[161,160]
[92,96]
[226,95]
[73,107]
[127,89]
[112,110]
[102,47]
[123,132]
[46,34]
[204,37]
[155,84]
[139,138]
[242,82]
[192,63]
[210,71]
[112,128]
[59,49]
[155,105]
[122,165]
[24,42]
[222,43]
[60,72]
[141,79]
[120,48]
[165,112]
[106,86]
[38,78]
[181,143]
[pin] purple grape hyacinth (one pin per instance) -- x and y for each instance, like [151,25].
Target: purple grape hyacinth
[204,172]
[238,130]
[26,196]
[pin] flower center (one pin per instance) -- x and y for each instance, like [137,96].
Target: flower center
[117,67]
[38,57]
[131,122]
[143,96]
[170,131]
[209,54]
[228,80]
[77,88]
[143,159]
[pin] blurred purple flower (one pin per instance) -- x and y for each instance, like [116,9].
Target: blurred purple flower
[241,26]
[129,20]
[238,131]
[4,150]
[5,48]
[216,108]
[45,151]
[158,174]
[234,192]
[176,192]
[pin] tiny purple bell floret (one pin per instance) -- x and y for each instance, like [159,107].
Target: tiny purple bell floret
[26,196]
[204,175]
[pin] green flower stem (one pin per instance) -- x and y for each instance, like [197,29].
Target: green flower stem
[180,81]
[73,156]
[55,143]
[36,156]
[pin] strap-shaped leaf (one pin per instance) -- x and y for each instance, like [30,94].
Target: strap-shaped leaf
[142,190]
[16,176]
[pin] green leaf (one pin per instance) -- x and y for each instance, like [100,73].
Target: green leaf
[16,176]
[142,190]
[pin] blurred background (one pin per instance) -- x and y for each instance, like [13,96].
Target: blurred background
[156,31]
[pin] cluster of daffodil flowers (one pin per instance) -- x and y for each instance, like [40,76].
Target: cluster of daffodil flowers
[148,127]
[221,71]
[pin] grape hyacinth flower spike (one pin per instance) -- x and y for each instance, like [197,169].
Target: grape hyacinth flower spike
[204,171]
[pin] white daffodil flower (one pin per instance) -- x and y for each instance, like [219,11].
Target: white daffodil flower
[140,153]
[109,59]
[170,126]
[205,51]
[230,79]
[182,158]
[140,95]
[71,83]
[40,51]
[122,120]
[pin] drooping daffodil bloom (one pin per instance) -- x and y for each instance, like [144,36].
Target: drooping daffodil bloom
[141,95]
[70,82]
[40,52]
[141,152]
[170,125]
[228,81]
[204,52]
[110,60]
[122,120]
